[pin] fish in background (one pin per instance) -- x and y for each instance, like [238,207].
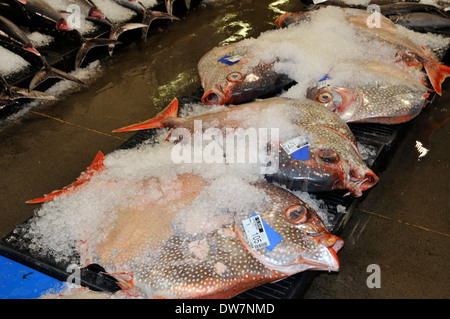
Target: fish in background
[408,51]
[332,162]
[416,16]
[44,18]
[227,77]
[9,94]
[148,16]
[15,39]
[393,103]
[180,244]
[93,13]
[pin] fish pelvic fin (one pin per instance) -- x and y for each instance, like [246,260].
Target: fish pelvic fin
[48,72]
[96,166]
[437,73]
[171,111]
[89,44]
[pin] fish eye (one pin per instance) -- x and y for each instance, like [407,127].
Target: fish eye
[324,97]
[296,214]
[328,155]
[234,76]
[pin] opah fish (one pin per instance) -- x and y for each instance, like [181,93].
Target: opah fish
[228,76]
[408,51]
[177,239]
[389,103]
[332,146]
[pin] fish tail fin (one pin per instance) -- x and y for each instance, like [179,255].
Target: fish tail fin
[48,72]
[117,29]
[157,122]
[89,44]
[96,166]
[149,16]
[437,73]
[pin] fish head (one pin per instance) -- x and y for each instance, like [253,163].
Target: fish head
[333,163]
[345,102]
[230,76]
[62,25]
[303,241]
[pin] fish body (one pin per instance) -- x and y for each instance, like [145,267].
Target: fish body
[375,104]
[176,239]
[12,34]
[238,81]
[408,51]
[332,146]
[421,21]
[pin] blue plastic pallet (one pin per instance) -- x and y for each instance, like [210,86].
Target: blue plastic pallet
[21,282]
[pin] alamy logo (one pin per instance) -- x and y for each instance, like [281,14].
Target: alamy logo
[74,19]
[75,274]
[374,279]
[251,145]
[374,20]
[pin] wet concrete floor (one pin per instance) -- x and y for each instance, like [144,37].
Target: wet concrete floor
[402,225]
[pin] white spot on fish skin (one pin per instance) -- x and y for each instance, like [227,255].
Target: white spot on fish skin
[220,268]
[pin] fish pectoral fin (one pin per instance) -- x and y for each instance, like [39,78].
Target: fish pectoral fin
[96,166]
[48,72]
[157,122]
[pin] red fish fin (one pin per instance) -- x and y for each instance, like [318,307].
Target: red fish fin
[96,166]
[437,73]
[156,122]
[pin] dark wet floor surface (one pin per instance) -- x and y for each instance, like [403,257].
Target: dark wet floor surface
[402,225]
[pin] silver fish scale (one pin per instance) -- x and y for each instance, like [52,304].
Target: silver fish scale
[389,102]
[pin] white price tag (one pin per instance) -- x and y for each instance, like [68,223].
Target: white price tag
[256,234]
[294,144]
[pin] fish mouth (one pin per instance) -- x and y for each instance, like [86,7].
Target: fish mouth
[358,184]
[63,25]
[214,97]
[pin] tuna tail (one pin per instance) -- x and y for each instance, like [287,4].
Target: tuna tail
[89,44]
[117,29]
[48,72]
[437,73]
[96,166]
[149,16]
[157,122]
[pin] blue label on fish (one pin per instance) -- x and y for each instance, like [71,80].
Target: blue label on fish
[228,60]
[260,234]
[298,147]
[301,154]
